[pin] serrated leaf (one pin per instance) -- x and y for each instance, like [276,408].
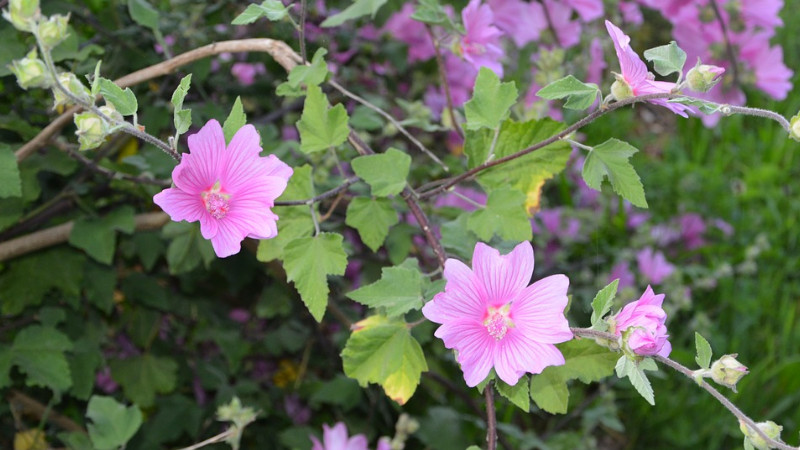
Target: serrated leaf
[271,9]
[143,13]
[113,424]
[295,221]
[123,100]
[519,394]
[372,217]
[382,351]
[312,74]
[398,291]
[704,353]
[182,118]
[549,392]
[236,119]
[142,376]
[10,182]
[491,101]
[321,127]
[503,215]
[308,262]
[359,8]
[610,160]
[83,364]
[579,95]
[667,59]
[384,172]
[22,283]
[98,236]
[431,12]
[603,301]
[628,368]
[38,351]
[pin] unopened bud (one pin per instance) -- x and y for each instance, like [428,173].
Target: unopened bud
[702,77]
[620,89]
[71,83]
[53,30]
[727,371]
[93,129]
[794,127]
[30,71]
[21,12]
[770,428]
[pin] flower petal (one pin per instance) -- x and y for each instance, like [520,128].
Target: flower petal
[503,276]
[474,346]
[229,237]
[518,354]
[462,297]
[538,311]
[180,205]
[202,166]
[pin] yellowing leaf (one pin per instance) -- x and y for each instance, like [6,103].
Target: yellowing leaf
[30,440]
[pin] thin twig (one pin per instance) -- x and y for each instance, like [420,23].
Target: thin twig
[301,30]
[332,208]
[445,84]
[342,187]
[391,119]
[728,45]
[28,405]
[550,25]
[491,418]
[214,439]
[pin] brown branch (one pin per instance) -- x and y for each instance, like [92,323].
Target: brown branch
[491,418]
[279,50]
[30,406]
[341,188]
[60,233]
[728,45]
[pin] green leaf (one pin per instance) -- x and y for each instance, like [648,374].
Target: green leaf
[704,106]
[503,215]
[6,362]
[83,364]
[236,119]
[704,353]
[187,248]
[308,262]
[10,182]
[358,9]
[381,350]
[372,217]
[23,285]
[431,12]
[610,160]
[635,373]
[141,377]
[579,95]
[385,173]
[182,117]
[123,100]
[549,391]
[321,127]
[143,13]
[295,221]
[491,101]
[667,59]
[38,351]
[309,75]
[456,238]
[98,236]
[398,291]
[271,9]
[112,423]
[602,303]
[519,394]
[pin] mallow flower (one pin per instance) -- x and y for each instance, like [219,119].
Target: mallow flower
[480,45]
[640,326]
[635,80]
[493,319]
[228,188]
[335,438]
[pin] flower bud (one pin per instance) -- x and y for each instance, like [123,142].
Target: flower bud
[53,30]
[727,371]
[620,89]
[702,77]
[21,12]
[770,428]
[93,129]
[30,71]
[794,127]
[71,83]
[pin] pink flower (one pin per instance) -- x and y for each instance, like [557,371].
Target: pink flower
[229,189]
[336,439]
[568,31]
[246,73]
[635,79]
[492,318]
[643,321]
[521,21]
[597,64]
[623,273]
[588,10]
[653,266]
[692,229]
[405,29]
[480,45]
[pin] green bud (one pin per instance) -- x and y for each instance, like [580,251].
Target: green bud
[53,30]
[702,77]
[71,83]
[727,371]
[30,71]
[770,428]
[620,89]
[21,12]
[794,128]
[93,129]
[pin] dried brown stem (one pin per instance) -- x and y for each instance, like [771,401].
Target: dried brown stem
[30,406]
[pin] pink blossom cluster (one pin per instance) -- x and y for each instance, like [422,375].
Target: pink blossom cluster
[641,325]
[336,438]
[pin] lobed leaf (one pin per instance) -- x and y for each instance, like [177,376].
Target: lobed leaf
[491,101]
[384,172]
[398,291]
[359,8]
[602,303]
[308,262]
[112,423]
[123,100]
[579,95]
[372,217]
[503,215]
[610,160]
[320,126]
[667,59]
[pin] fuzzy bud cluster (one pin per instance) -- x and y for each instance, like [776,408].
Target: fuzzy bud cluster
[21,14]
[30,71]
[93,129]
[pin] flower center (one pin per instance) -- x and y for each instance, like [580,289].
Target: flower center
[472,48]
[217,204]
[497,322]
